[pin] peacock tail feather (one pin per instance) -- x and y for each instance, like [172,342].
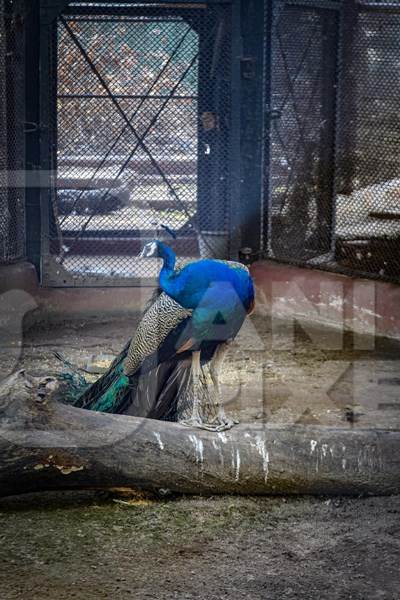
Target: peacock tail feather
[110,391]
[115,396]
[135,378]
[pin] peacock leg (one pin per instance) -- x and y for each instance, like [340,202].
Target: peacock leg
[196,370]
[224,422]
[196,418]
[221,422]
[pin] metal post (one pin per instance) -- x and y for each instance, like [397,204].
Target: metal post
[32,132]
[234,175]
[347,95]
[252,64]
[15,116]
[266,127]
[323,239]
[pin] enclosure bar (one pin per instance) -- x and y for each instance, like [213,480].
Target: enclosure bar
[32,135]
[267,125]
[346,106]
[159,3]
[115,233]
[234,166]
[386,8]
[325,202]
[77,19]
[122,97]
[156,13]
[48,51]
[12,240]
[126,246]
[252,65]
[346,24]
[320,4]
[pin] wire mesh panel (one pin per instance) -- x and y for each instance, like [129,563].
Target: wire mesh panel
[12,107]
[301,131]
[368,176]
[141,136]
[332,173]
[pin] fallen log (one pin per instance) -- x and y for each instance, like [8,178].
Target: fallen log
[48,445]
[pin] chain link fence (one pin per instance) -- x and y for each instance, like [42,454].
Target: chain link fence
[332,173]
[139,132]
[301,111]
[12,107]
[367,233]
[142,134]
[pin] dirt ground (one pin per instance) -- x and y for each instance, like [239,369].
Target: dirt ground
[87,546]
[273,372]
[91,545]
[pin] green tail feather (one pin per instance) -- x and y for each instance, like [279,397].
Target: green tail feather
[111,392]
[152,391]
[114,397]
[72,382]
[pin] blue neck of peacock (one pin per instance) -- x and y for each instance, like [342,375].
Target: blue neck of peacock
[167,270]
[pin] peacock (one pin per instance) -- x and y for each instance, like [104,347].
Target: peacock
[188,323]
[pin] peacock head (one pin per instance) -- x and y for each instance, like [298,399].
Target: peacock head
[156,248]
[151,250]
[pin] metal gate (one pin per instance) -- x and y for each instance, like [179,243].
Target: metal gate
[301,99]
[332,166]
[367,232]
[139,134]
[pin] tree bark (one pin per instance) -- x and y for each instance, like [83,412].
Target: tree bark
[48,445]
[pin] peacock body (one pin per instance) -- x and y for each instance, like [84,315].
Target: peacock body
[198,309]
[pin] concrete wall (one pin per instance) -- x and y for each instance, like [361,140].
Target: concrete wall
[20,290]
[283,291]
[363,306]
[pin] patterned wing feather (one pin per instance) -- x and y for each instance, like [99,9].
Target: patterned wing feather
[162,317]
